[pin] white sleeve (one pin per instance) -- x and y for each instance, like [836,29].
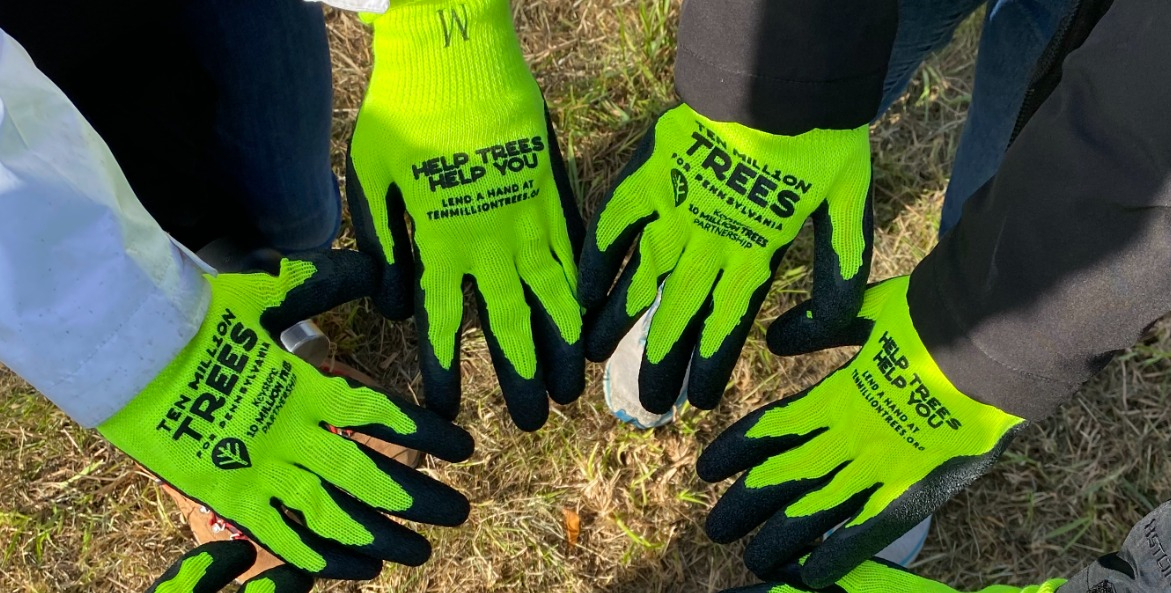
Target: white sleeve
[95,299]
[379,6]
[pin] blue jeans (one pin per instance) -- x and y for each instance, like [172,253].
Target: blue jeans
[1014,36]
[218,111]
[269,62]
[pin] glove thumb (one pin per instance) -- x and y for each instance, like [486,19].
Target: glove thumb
[801,330]
[797,331]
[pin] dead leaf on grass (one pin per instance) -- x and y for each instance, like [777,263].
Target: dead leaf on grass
[572,528]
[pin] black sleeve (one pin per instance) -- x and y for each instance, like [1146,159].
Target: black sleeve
[1141,566]
[1064,258]
[785,66]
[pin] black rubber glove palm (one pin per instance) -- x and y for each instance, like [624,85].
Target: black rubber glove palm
[212,567]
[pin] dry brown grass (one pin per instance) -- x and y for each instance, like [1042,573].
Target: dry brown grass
[74,516]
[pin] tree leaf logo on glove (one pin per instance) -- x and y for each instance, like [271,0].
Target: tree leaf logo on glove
[679,183]
[230,453]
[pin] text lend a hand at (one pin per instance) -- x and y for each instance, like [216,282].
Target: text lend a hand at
[453,132]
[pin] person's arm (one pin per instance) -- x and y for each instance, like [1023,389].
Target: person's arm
[785,66]
[1141,565]
[1064,258]
[95,299]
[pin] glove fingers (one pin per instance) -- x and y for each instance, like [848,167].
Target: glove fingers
[847,550]
[384,483]
[613,229]
[599,268]
[507,322]
[824,505]
[380,231]
[391,542]
[843,228]
[298,545]
[790,335]
[725,330]
[208,568]
[556,324]
[888,514]
[852,479]
[767,588]
[312,283]
[282,579]
[605,325]
[733,451]
[843,243]
[574,225]
[332,514]
[656,256]
[661,249]
[674,331]
[783,539]
[768,488]
[872,576]
[877,575]
[659,384]
[439,301]
[385,417]
[794,333]
[303,493]
[789,572]
[562,363]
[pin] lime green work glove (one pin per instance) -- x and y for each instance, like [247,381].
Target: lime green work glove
[880,577]
[714,206]
[455,132]
[243,427]
[880,444]
[212,567]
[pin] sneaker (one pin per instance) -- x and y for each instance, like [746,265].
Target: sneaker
[620,380]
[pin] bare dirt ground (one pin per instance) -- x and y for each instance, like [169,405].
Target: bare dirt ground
[75,516]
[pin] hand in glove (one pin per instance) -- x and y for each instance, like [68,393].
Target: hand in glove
[714,206]
[212,567]
[880,444]
[1141,566]
[243,427]
[880,577]
[455,132]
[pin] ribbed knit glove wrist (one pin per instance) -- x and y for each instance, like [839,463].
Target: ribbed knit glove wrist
[213,566]
[879,444]
[244,427]
[713,207]
[880,577]
[454,132]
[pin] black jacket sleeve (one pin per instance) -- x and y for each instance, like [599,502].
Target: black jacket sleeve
[785,66]
[1064,258]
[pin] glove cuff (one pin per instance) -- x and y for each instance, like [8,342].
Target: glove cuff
[908,366]
[445,53]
